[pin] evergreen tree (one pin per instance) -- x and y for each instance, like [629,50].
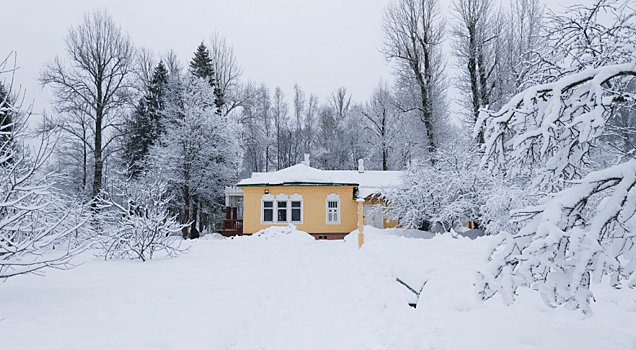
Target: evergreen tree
[145,125]
[201,67]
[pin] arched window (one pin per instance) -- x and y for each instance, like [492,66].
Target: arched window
[333,209]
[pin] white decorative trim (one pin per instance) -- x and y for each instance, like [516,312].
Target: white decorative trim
[267,198]
[297,198]
[338,211]
[282,198]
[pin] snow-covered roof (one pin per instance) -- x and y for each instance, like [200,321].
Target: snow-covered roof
[368,182]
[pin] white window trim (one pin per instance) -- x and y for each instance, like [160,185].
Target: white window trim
[297,198]
[268,198]
[333,198]
[282,198]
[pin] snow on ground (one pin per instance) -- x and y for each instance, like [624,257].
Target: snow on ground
[280,290]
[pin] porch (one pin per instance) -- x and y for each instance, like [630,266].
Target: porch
[233,222]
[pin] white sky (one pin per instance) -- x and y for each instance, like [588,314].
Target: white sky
[320,44]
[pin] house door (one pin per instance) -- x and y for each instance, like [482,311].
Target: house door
[373,219]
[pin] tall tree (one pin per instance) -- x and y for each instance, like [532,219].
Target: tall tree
[413,31]
[94,82]
[229,93]
[201,65]
[475,35]
[381,121]
[280,118]
[257,130]
[145,125]
[198,154]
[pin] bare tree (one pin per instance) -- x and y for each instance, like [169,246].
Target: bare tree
[227,74]
[146,62]
[281,118]
[476,34]
[95,81]
[380,115]
[413,31]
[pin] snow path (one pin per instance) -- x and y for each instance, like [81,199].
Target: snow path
[335,298]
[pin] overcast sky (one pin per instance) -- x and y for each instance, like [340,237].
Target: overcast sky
[320,44]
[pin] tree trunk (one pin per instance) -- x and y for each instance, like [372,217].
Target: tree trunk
[99,163]
[186,211]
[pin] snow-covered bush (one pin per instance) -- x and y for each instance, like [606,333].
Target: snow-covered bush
[584,227]
[33,219]
[452,191]
[139,221]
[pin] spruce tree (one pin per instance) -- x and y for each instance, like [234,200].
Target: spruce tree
[201,67]
[156,96]
[145,125]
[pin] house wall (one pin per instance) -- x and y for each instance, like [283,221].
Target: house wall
[376,201]
[314,209]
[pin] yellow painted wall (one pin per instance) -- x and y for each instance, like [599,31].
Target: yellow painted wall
[375,201]
[314,208]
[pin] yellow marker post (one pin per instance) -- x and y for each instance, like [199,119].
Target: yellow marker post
[360,221]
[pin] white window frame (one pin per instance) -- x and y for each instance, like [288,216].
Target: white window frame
[282,198]
[296,198]
[288,209]
[268,198]
[333,198]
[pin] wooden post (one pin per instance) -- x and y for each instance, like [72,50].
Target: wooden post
[360,221]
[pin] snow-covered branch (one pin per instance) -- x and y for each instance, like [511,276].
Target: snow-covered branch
[140,221]
[549,129]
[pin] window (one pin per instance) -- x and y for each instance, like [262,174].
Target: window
[333,209]
[267,208]
[295,211]
[282,208]
[282,211]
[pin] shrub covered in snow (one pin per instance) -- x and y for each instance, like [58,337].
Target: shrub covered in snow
[452,191]
[140,222]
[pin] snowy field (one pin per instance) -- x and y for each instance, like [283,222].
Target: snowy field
[288,291]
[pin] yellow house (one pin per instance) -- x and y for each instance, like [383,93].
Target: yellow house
[319,202]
